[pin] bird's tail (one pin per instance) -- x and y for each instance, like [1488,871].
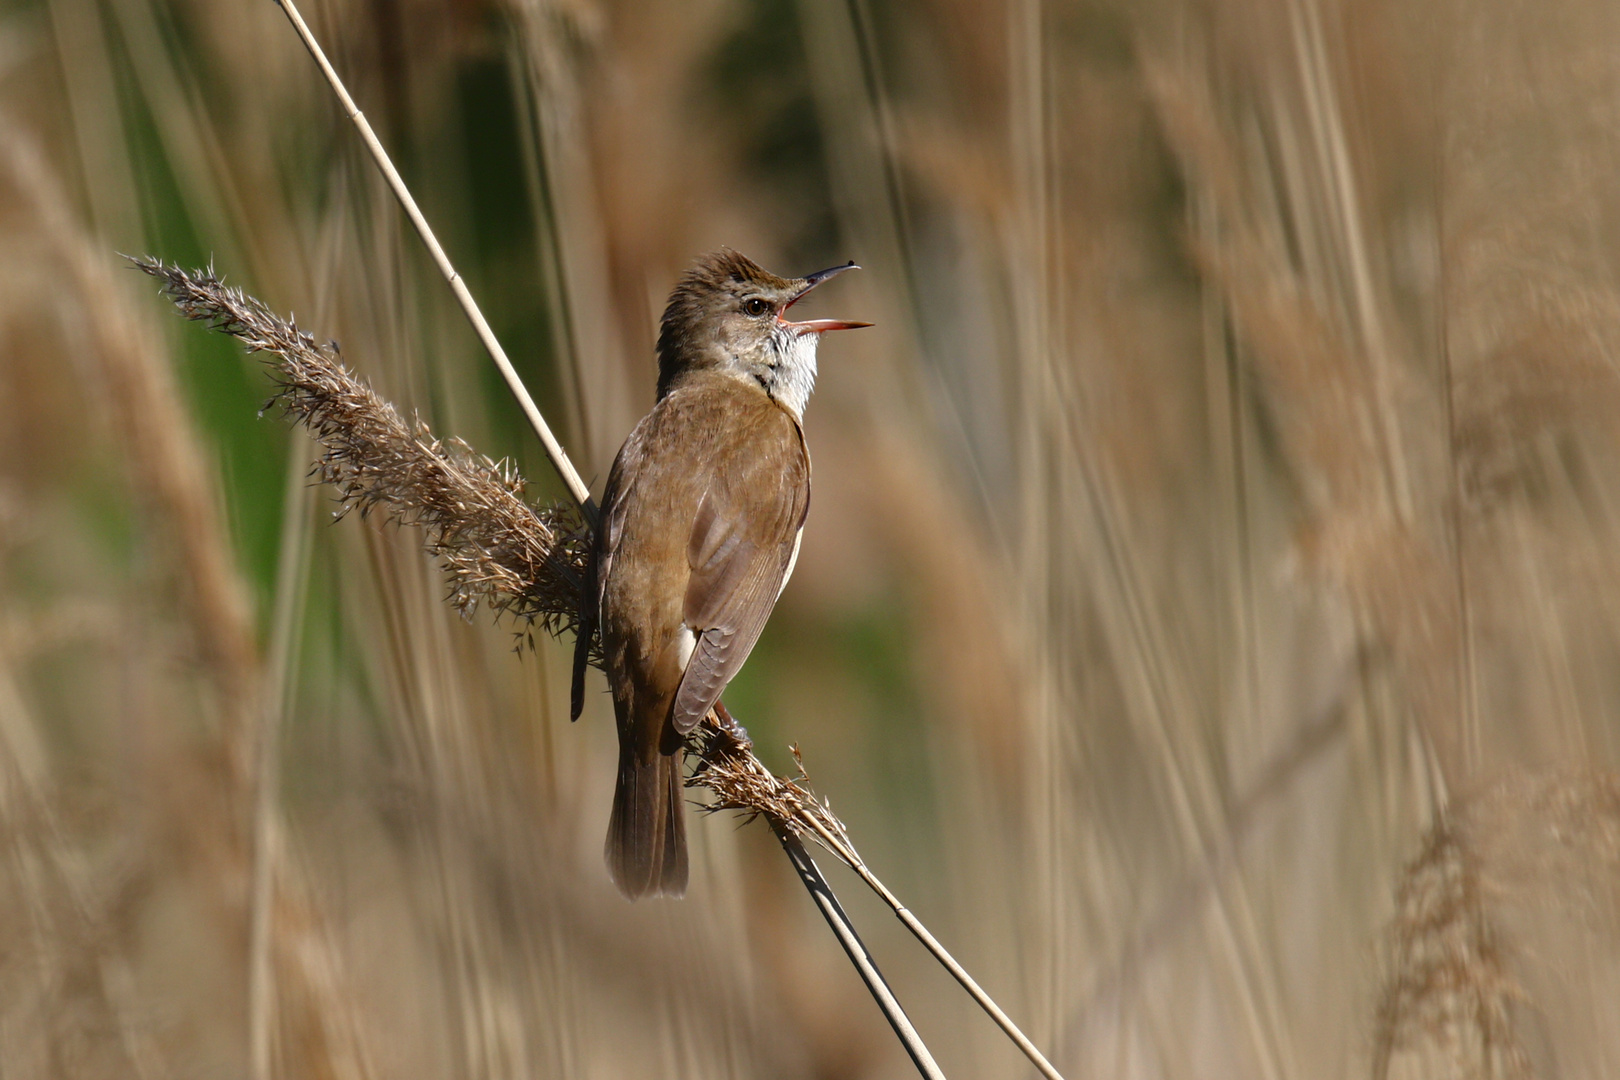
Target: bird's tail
[646,841]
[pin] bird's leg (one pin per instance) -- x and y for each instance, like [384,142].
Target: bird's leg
[731,727]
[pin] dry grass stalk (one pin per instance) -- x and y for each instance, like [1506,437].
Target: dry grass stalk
[73,999]
[741,782]
[559,459]
[495,548]
[1504,910]
[1450,991]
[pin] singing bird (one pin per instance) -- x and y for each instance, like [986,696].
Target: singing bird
[699,530]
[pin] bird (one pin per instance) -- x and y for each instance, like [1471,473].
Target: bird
[697,535]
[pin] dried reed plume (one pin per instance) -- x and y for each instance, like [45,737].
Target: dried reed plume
[1506,907]
[495,548]
[1450,984]
[741,782]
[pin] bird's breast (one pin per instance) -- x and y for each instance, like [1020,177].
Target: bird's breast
[718,447]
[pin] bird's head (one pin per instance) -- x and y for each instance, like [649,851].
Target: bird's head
[730,315]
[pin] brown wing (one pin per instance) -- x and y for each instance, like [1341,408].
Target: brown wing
[744,537]
[610,525]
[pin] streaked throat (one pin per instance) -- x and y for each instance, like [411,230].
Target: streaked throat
[790,375]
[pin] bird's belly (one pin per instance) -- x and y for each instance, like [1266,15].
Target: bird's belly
[685,644]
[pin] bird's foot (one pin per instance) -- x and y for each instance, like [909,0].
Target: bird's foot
[731,727]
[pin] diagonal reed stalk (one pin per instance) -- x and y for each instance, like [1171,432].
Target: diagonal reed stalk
[554,450]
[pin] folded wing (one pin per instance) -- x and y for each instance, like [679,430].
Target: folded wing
[744,539]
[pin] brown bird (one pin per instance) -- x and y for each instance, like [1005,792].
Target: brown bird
[698,533]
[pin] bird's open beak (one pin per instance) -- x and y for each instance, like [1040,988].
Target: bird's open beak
[818,326]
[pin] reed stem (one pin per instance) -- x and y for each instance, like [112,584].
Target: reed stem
[844,930]
[846,852]
[554,451]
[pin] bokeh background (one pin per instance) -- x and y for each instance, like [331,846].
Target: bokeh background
[1208,620]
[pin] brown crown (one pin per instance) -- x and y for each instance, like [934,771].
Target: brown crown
[693,300]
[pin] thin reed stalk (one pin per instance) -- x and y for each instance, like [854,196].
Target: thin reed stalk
[741,783]
[844,930]
[396,184]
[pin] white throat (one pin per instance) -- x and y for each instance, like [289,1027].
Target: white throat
[791,375]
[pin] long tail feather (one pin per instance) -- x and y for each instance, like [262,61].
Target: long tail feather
[646,841]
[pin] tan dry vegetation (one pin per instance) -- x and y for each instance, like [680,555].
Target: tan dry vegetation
[1207,621]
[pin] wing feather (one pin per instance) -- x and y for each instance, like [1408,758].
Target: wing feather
[610,527]
[742,545]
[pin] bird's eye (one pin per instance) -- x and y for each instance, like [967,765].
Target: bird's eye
[755,306]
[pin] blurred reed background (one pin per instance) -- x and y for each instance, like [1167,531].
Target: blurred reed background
[1208,619]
